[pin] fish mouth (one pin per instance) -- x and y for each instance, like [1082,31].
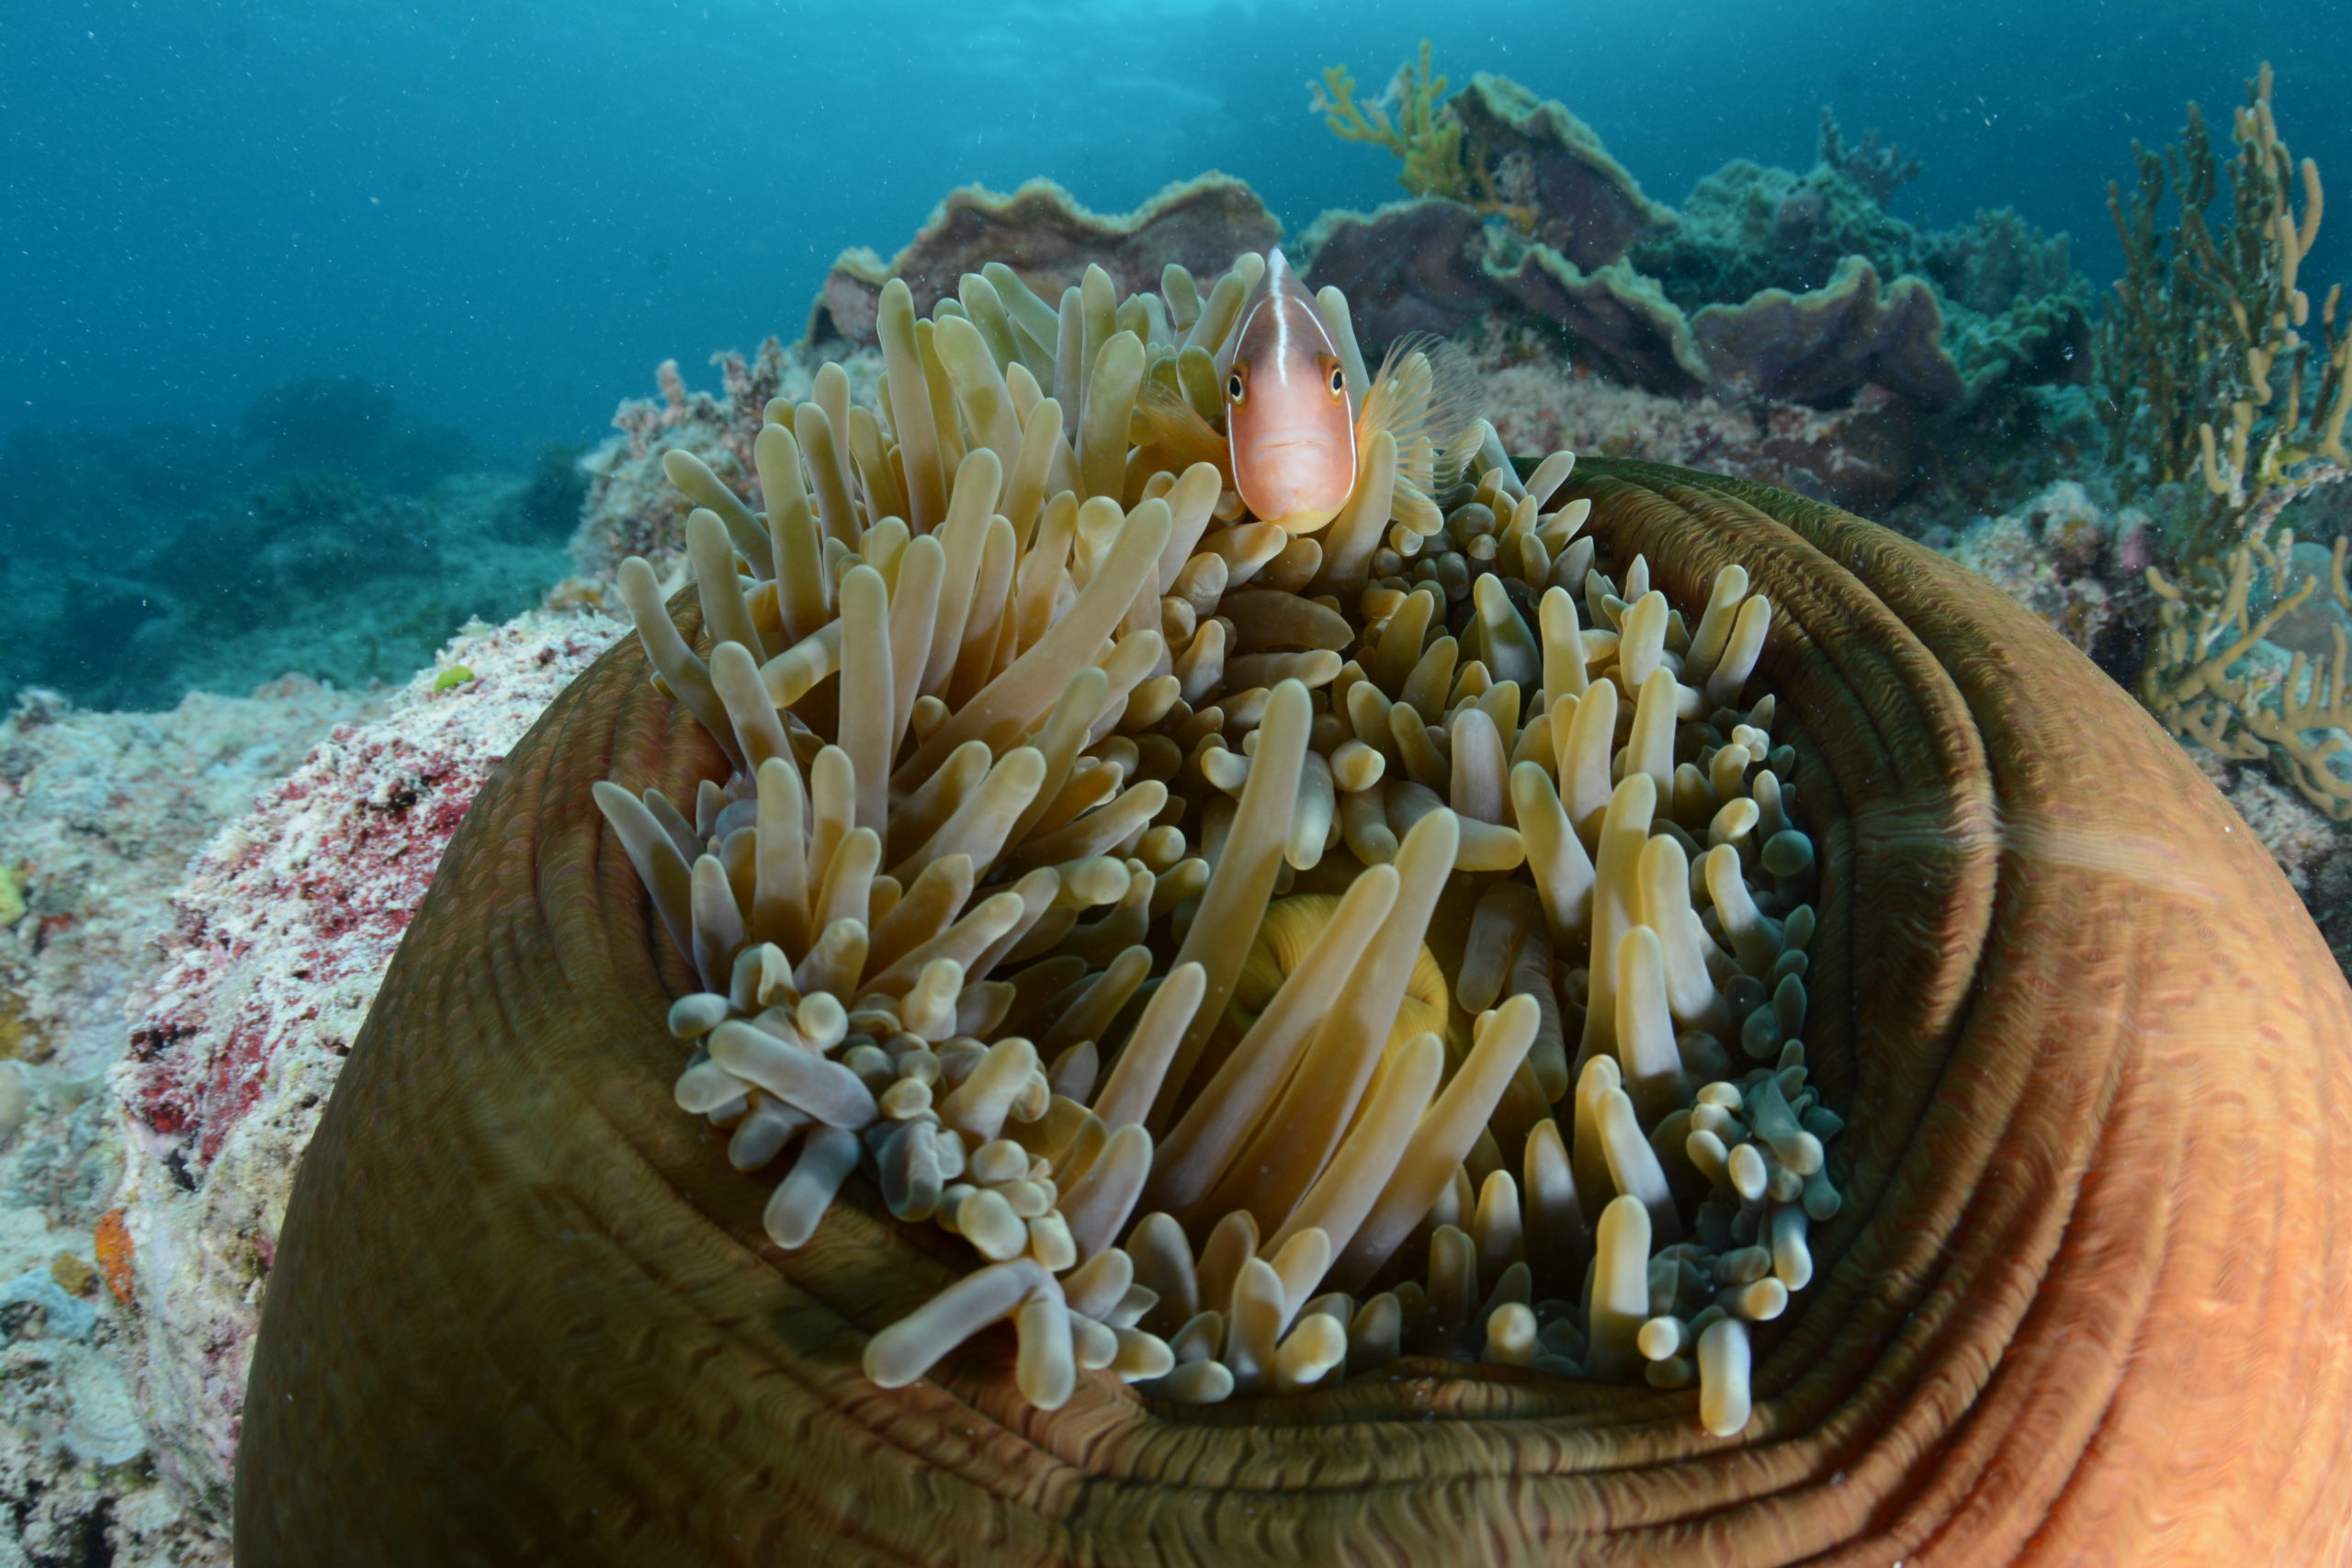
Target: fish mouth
[1313,441]
[1296,475]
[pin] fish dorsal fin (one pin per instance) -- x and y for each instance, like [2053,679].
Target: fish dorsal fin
[1274,283]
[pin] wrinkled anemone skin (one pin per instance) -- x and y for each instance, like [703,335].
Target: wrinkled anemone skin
[2085,1302]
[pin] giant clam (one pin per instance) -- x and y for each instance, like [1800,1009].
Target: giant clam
[2081,1301]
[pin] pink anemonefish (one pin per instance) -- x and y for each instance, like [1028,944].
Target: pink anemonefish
[1290,433]
[1297,430]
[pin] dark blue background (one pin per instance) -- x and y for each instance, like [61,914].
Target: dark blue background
[510,211]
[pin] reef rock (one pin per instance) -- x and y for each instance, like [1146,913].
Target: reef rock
[1044,234]
[1551,165]
[100,814]
[283,930]
[1864,457]
[1766,284]
[2075,564]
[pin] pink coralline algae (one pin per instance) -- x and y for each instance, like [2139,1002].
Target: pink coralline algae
[100,815]
[284,929]
[324,875]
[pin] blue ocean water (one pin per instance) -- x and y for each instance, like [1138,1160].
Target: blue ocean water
[507,212]
[297,298]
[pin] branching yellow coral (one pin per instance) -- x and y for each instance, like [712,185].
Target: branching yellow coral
[1439,160]
[2206,355]
[2201,684]
[2211,377]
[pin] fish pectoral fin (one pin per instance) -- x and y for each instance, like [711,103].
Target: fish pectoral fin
[1425,395]
[1172,429]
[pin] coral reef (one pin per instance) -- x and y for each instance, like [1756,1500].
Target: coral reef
[280,934]
[1848,341]
[1821,348]
[1048,239]
[371,536]
[2249,656]
[100,814]
[2247,681]
[919,969]
[937,634]
[1425,137]
[1582,204]
[1434,265]
[1765,283]
[1748,227]
[2312,850]
[354,430]
[632,508]
[117,487]
[1498,149]
[128,1266]
[1878,454]
[2204,353]
[1877,172]
[2074,564]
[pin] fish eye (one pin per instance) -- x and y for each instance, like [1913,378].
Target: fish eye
[1339,385]
[1233,388]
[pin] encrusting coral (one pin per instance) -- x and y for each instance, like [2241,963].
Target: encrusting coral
[1049,239]
[963,1045]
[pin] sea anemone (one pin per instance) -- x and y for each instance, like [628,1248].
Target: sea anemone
[955,735]
[1365,984]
